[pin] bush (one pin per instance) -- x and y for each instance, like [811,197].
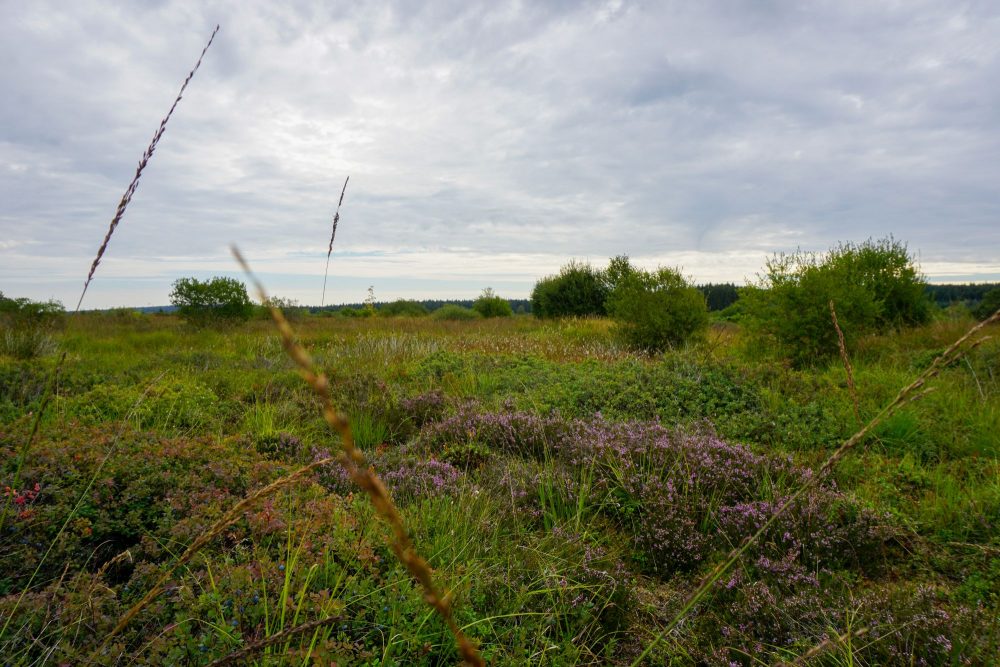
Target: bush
[403,308]
[655,310]
[577,291]
[490,305]
[214,300]
[28,325]
[451,311]
[874,286]
[989,305]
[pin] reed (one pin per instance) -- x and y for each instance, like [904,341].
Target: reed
[333,233]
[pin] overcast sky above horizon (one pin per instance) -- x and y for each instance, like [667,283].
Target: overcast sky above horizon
[490,143]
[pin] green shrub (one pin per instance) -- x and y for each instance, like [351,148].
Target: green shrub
[874,286]
[989,305]
[490,305]
[577,290]
[451,311]
[403,308]
[215,300]
[656,310]
[27,326]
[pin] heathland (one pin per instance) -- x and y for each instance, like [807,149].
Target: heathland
[569,493]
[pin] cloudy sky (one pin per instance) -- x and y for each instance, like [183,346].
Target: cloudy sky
[489,143]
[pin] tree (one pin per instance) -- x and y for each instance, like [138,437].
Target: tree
[874,286]
[989,305]
[490,305]
[655,310]
[215,300]
[578,290]
[403,308]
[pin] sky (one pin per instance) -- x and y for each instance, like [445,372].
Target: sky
[489,143]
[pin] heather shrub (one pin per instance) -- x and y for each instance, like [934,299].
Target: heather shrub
[578,290]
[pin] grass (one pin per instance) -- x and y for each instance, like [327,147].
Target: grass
[544,542]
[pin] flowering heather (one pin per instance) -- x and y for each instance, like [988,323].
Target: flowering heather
[681,496]
[415,478]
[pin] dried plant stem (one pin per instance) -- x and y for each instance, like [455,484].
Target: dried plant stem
[906,395]
[353,462]
[333,233]
[825,646]
[130,190]
[244,653]
[842,344]
[231,516]
[122,205]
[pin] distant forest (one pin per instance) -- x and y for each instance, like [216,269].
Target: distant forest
[718,296]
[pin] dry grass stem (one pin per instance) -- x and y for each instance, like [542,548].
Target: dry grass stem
[353,462]
[130,190]
[231,516]
[824,646]
[842,344]
[244,653]
[906,395]
[333,233]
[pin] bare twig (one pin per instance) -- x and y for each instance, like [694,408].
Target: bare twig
[842,344]
[245,652]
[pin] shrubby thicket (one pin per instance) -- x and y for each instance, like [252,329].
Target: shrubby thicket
[490,305]
[578,290]
[875,286]
[216,300]
[654,310]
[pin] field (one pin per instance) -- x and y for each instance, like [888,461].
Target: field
[570,494]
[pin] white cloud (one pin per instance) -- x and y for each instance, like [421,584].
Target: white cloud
[490,143]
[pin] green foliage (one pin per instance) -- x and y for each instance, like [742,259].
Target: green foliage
[490,305]
[451,311]
[989,305]
[403,308]
[874,286]
[655,310]
[27,326]
[219,299]
[578,290]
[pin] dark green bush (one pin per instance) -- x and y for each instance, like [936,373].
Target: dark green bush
[451,311]
[578,290]
[874,286]
[655,310]
[490,305]
[27,326]
[403,308]
[204,302]
[989,305]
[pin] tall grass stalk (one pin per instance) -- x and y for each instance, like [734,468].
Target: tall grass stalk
[906,395]
[354,464]
[842,346]
[119,214]
[333,233]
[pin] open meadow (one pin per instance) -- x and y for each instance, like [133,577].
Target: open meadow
[570,495]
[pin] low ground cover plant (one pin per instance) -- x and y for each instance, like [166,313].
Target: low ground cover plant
[570,501]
